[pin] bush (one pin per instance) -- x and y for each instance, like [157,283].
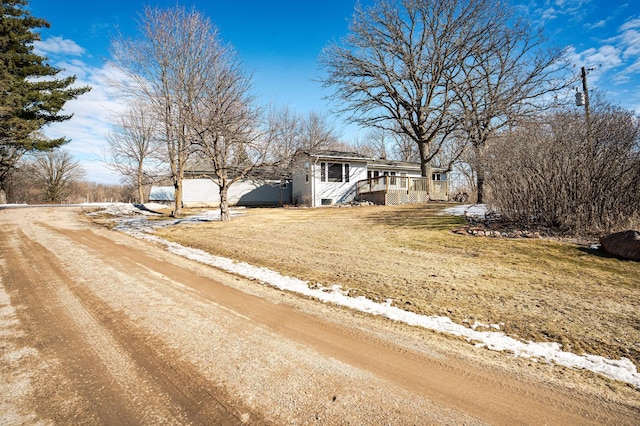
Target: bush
[562,173]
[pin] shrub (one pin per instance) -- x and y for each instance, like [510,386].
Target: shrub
[562,172]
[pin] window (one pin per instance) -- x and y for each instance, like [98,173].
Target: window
[439,176]
[334,172]
[306,172]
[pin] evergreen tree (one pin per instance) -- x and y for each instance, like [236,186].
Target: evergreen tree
[30,95]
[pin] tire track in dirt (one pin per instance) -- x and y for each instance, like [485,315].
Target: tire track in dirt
[104,370]
[491,397]
[73,370]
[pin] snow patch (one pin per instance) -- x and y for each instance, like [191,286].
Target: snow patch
[469,210]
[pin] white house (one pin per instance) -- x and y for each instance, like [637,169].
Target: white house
[320,178]
[327,177]
[333,177]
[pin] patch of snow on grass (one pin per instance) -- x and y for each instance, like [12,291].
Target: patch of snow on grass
[121,209]
[472,210]
[623,370]
[135,216]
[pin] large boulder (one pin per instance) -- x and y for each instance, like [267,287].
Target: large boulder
[625,244]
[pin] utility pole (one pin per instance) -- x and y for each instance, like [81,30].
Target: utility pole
[582,98]
[586,96]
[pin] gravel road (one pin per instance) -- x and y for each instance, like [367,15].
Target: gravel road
[99,328]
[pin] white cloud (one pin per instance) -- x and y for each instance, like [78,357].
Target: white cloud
[628,74]
[57,45]
[549,13]
[93,116]
[631,41]
[623,54]
[631,24]
[606,57]
[600,24]
[576,9]
[603,58]
[606,38]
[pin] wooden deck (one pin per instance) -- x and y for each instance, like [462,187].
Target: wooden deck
[392,190]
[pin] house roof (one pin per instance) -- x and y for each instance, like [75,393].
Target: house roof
[206,169]
[393,164]
[371,162]
[338,155]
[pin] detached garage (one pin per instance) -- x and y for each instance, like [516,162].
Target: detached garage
[206,193]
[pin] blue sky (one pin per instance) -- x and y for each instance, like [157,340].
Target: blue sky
[280,41]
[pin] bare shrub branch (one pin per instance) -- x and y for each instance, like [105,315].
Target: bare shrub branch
[548,170]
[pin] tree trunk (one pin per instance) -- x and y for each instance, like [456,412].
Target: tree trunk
[177,198]
[424,148]
[225,216]
[140,182]
[480,186]
[480,174]
[424,165]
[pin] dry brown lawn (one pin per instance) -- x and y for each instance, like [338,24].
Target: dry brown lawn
[537,290]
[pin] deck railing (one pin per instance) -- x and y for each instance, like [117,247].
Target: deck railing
[393,183]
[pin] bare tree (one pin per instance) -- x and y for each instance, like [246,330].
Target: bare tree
[225,121]
[56,173]
[404,149]
[289,133]
[378,139]
[397,67]
[168,67]
[283,130]
[505,79]
[317,132]
[100,192]
[133,150]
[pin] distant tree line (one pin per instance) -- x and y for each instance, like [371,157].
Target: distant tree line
[54,177]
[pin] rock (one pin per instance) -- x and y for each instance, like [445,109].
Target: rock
[625,244]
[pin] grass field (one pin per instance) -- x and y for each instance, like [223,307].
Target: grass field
[536,289]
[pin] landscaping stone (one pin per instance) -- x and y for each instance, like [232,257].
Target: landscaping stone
[624,245]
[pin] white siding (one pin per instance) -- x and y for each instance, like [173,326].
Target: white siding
[200,192]
[205,192]
[337,192]
[398,171]
[302,187]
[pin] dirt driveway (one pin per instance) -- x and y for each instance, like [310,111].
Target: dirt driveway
[100,328]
